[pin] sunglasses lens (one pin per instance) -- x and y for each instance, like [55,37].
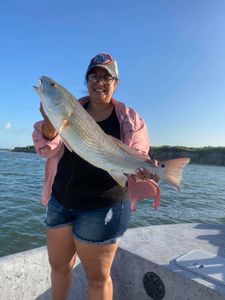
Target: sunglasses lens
[105,79]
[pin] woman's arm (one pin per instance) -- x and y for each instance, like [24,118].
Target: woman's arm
[46,140]
[45,147]
[141,142]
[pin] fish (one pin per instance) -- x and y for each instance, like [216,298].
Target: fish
[80,133]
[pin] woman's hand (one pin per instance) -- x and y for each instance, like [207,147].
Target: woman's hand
[49,131]
[43,113]
[143,174]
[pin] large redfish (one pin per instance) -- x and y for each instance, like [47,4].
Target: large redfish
[81,134]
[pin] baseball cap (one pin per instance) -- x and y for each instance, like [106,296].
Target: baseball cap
[104,60]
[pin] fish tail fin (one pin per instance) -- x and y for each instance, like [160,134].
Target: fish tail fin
[173,170]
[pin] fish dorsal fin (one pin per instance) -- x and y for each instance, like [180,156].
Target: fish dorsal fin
[128,149]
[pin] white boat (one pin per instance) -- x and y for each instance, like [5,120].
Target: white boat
[149,264]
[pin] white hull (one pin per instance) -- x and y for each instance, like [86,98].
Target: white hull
[26,275]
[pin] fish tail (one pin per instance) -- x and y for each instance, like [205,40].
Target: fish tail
[173,170]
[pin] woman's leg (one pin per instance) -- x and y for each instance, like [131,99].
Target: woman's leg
[97,261]
[62,254]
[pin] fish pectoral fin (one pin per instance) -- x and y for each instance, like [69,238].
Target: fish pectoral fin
[66,121]
[63,124]
[121,179]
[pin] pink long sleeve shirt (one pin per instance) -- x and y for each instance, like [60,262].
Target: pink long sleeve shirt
[133,132]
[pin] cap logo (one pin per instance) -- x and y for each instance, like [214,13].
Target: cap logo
[102,59]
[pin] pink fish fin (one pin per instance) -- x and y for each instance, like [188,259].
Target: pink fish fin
[128,149]
[143,189]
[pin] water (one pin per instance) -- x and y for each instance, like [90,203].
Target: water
[202,200]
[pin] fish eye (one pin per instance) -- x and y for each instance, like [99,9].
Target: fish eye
[53,84]
[162,166]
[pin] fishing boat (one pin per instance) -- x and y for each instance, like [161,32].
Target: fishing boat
[169,262]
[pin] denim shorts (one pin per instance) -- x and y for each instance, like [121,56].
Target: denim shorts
[97,226]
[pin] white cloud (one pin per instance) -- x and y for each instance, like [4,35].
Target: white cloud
[8,126]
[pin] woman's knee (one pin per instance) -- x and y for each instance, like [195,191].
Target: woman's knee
[98,278]
[61,249]
[61,266]
[62,263]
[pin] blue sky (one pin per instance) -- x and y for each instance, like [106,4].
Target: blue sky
[171,57]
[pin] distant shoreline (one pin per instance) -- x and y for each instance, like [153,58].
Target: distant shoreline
[27,149]
[198,155]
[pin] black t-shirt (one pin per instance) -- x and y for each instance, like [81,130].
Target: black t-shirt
[80,185]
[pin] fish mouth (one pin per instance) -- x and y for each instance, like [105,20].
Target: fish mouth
[38,88]
[35,88]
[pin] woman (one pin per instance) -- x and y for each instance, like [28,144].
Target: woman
[88,211]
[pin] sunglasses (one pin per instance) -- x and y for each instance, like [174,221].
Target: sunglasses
[93,78]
